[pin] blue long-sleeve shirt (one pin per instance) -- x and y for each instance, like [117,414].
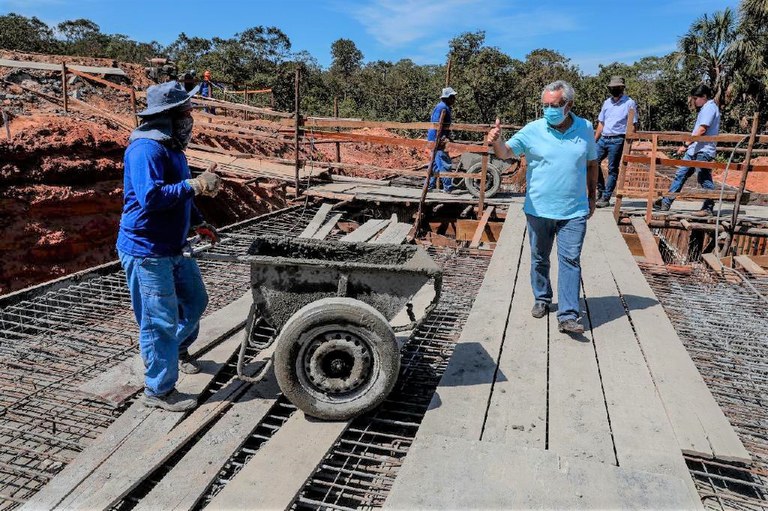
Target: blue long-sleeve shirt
[158,207]
[432,133]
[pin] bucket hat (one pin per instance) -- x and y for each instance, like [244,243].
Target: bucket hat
[166,96]
[617,81]
[447,93]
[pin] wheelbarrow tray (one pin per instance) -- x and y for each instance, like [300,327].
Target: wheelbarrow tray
[289,273]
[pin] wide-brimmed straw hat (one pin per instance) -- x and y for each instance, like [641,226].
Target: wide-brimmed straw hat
[166,96]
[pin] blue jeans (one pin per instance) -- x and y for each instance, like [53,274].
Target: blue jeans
[704,177]
[610,148]
[442,164]
[570,238]
[168,298]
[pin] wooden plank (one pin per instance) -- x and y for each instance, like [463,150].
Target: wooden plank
[96,79]
[396,232]
[129,433]
[459,405]
[366,231]
[698,422]
[713,165]
[323,231]
[578,424]
[276,473]
[481,227]
[451,473]
[642,434]
[125,379]
[454,148]
[316,221]
[750,265]
[517,411]
[647,240]
[712,261]
[333,122]
[47,66]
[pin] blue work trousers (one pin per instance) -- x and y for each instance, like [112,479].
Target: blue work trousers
[168,298]
[703,175]
[570,238]
[442,164]
[611,148]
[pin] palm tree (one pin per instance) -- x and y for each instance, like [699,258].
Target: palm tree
[710,49]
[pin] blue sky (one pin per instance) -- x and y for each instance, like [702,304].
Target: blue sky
[590,32]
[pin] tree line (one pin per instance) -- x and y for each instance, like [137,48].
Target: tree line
[726,49]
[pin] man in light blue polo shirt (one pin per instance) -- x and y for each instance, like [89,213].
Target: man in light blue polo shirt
[610,133]
[561,181]
[707,123]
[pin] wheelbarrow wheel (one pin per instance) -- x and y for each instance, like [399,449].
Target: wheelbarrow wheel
[336,358]
[492,180]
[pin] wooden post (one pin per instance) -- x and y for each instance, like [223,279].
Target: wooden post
[64,85]
[652,179]
[742,185]
[297,120]
[245,96]
[336,114]
[7,125]
[133,107]
[623,164]
[420,212]
[448,72]
[483,173]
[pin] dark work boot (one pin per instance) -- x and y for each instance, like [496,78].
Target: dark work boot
[539,310]
[188,365]
[571,326]
[174,401]
[660,205]
[602,202]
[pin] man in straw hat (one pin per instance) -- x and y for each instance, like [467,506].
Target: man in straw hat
[442,159]
[167,292]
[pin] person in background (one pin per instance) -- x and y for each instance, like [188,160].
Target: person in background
[707,123]
[442,159]
[610,133]
[561,183]
[168,296]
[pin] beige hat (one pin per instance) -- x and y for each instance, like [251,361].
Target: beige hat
[617,81]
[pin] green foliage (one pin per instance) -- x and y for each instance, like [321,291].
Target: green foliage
[26,34]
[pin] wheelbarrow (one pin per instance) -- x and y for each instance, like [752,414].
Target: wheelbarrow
[330,303]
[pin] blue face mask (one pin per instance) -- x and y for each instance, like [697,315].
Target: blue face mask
[554,115]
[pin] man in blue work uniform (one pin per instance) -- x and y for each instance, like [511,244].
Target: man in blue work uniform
[167,292]
[707,123]
[610,133]
[442,160]
[561,182]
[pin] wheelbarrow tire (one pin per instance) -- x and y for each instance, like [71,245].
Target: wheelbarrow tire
[492,183]
[357,328]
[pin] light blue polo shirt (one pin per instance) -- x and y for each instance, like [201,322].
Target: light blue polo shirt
[557,167]
[614,115]
[709,116]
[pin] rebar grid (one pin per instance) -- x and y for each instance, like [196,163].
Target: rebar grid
[362,466]
[53,342]
[723,325]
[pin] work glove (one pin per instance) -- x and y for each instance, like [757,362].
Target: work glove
[207,183]
[207,232]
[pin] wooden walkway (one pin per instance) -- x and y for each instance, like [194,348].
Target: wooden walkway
[598,420]
[373,192]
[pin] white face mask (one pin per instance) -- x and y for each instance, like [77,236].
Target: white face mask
[182,130]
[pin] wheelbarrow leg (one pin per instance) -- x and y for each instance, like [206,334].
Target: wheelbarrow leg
[253,320]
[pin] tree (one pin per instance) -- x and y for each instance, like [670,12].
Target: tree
[26,34]
[82,37]
[347,59]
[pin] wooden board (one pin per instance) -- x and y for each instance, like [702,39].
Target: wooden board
[326,228]
[517,412]
[578,420]
[366,231]
[698,422]
[481,227]
[647,240]
[47,66]
[396,232]
[452,473]
[459,405]
[125,379]
[276,473]
[128,434]
[316,221]
[751,266]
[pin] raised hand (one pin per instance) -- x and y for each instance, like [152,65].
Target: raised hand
[494,133]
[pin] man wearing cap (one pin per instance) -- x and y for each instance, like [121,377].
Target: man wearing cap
[442,160]
[561,181]
[206,90]
[707,123]
[610,133]
[167,292]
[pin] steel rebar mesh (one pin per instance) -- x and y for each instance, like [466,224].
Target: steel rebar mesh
[723,325]
[54,341]
[362,466]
